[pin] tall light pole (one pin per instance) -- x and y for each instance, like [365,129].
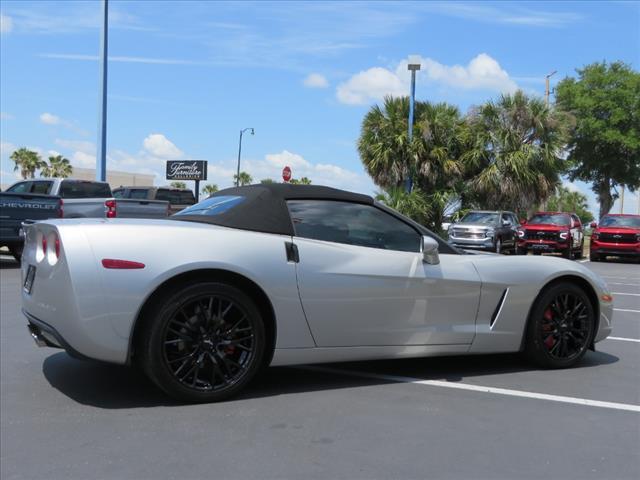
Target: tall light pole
[413,66]
[547,90]
[101,158]
[240,151]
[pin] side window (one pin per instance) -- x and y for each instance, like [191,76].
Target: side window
[119,193]
[353,224]
[162,194]
[138,193]
[41,187]
[514,219]
[506,218]
[22,187]
[576,220]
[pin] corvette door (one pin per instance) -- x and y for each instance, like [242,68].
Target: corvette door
[362,280]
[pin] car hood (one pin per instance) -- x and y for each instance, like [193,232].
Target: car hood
[544,227]
[472,226]
[617,230]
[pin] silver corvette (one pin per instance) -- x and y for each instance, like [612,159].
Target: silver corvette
[291,274]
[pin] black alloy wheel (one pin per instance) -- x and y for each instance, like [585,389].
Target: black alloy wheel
[561,327]
[206,343]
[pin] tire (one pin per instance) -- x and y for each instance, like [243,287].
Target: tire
[16,252]
[580,253]
[594,257]
[497,246]
[568,253]
[561,327]
[189,348]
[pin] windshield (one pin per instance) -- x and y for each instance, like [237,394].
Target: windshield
[622,222]
[486,218]
[561,219]
[213,206]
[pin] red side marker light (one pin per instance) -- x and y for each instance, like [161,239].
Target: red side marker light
[121,264]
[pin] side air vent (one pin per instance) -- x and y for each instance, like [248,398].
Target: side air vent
[496,312]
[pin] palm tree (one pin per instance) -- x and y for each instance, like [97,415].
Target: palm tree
[210,189]
[27,161]
[516,152]
[243,179]
[58,167]
[178,184]
[433,158]
[565,200]
[267,181]
[412,204]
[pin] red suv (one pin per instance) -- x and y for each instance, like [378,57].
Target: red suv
[617,235]
[548,232]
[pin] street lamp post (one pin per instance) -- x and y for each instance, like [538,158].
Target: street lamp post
[101,158]
[240,151]
[547,90]
[413,67]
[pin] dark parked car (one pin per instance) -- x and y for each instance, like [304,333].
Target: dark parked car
[552,232]
[488,230]
[616,235]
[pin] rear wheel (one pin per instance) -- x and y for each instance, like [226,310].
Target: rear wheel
[561,327]
[203,342]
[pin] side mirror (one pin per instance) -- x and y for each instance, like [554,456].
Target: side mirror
[594,225]
[506,223]
[523,221]
[430,251]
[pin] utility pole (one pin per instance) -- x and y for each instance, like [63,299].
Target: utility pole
[240,151]
[101,158]
[547,90]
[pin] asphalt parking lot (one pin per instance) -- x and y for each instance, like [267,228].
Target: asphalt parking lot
[66,419]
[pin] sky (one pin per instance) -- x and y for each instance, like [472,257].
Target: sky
[185,77]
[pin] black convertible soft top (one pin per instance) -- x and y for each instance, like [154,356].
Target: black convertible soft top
[264,206]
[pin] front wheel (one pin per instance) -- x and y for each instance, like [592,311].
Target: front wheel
[203,342]
[497,247]
[561,327]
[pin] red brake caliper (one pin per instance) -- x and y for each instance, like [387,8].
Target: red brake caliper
[546,328]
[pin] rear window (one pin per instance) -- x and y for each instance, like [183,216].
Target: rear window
[41,187]
[119,193]
[72,189]
[560,219]
[176,197]
[139,193]
[213,206]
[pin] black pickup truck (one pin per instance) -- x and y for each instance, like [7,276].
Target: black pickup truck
[16,208]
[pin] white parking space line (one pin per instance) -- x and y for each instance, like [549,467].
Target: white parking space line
[625,310]
[628,294]
[479,388]
[622,339]
[621,278]
[583,261]
[626,284]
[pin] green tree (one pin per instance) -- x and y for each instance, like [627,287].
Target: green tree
[267,181]
[605,143]
[565,200]
[300,181]
[517,145]
[177,184]
[412,204]
[27,161]
[58,167]
[433,158]
[244,179]
[209,189]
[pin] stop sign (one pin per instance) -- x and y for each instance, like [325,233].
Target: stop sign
[286,174]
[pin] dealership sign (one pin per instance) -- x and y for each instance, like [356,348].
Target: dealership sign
[186,170]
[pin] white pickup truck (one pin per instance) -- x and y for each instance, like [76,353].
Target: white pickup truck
[91,199]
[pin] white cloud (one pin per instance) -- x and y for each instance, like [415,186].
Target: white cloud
[160,146]
[315,80]
[6,116]
[286,158]
[372,84]
[6,149]
[6,24]
[482,73]
[78,145]
[50,119]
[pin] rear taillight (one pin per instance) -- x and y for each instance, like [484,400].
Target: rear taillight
[57,246]
[110,208]
[61,211]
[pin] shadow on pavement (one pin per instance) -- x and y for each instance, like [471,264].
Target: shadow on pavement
[8,263]
[112,387]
